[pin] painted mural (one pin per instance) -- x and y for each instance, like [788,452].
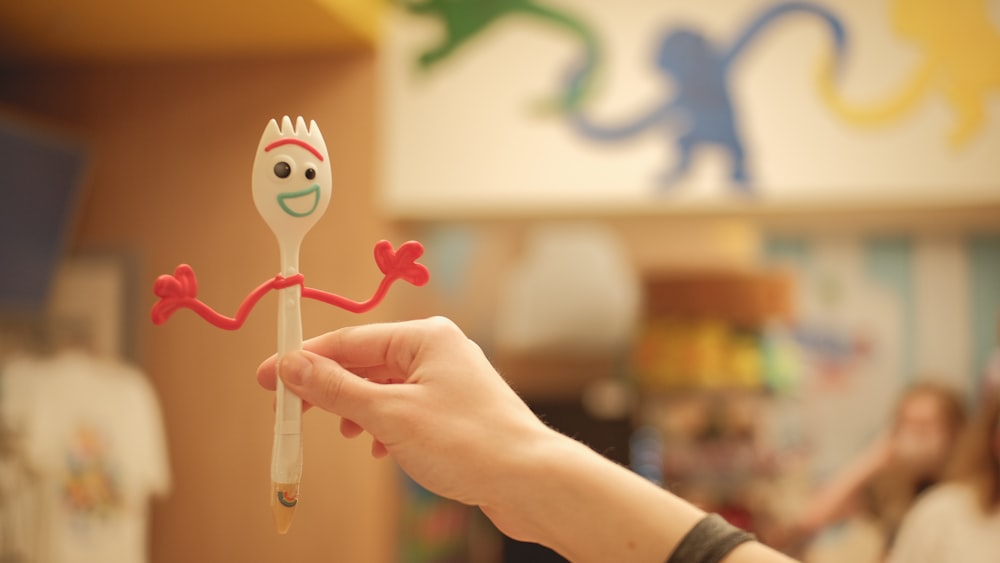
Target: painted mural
[534,105]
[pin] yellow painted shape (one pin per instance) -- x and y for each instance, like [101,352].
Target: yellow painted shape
[960,50]
[364,17]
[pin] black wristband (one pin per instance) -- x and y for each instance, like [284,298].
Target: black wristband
[709,541]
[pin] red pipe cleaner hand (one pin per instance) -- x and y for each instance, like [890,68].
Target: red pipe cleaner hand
[402,263]
[395,264]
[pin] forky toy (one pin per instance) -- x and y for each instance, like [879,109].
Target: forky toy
[291,189]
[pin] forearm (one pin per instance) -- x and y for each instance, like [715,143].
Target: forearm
[591,510]
[563,495]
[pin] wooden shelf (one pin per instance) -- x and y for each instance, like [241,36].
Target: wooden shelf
[742,299]
[126,30]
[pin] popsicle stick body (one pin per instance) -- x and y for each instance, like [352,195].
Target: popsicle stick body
[286,452]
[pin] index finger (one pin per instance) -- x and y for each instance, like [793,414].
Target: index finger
[381,351]
[394,346]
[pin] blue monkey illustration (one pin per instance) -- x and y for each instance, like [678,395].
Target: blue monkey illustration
[702,106]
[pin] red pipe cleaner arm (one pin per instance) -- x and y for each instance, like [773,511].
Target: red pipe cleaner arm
[180,291]
[350,304]
[395,264]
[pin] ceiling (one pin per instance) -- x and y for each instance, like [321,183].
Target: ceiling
[146,30]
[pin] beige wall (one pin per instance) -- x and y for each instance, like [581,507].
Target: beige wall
[173,147]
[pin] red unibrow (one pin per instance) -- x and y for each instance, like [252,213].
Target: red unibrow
[294,141]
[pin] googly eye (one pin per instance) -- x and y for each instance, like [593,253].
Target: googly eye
[310,173]
[282,169]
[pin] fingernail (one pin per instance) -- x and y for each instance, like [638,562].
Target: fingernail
[294,368]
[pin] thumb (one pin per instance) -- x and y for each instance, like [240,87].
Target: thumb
[326,384]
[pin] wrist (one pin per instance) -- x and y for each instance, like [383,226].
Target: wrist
[517,503]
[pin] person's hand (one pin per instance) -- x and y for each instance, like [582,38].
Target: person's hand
[451,422]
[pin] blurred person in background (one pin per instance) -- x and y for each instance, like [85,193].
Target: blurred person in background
[868,499]
[959,520]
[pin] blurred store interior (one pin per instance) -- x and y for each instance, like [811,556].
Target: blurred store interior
[719,263]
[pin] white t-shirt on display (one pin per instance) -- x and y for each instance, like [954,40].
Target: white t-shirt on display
[92,433]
